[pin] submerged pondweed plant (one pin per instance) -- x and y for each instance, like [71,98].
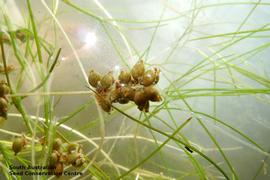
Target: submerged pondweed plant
[176,89]
[136,86]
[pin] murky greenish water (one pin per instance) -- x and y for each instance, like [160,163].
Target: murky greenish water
[213,57]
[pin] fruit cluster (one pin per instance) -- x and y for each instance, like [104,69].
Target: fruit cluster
[65,154]
[62,153]
[136,85]
[4,91]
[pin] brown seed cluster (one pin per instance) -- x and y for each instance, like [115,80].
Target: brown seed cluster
[4,91]
[65,154]
[62,153]
[136,85]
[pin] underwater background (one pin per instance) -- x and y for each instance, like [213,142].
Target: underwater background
[213,57]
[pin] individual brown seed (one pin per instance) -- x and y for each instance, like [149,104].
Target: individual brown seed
[59,168]
[107,81]
[140,98]
[138,70]
[21,35]
[149,77]
[4,89]
[104,102]
[57,144]
[79,161]
[128,92]
[63,158]
[144,107]
[18,144]
[124,77]
[93,78]
[152,94]
[3,105]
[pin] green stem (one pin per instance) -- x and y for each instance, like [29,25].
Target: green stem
[175,139]
[156,150]
[34,30]
[16,100]
[48,75]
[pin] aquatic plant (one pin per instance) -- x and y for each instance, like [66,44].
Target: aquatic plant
[206,60]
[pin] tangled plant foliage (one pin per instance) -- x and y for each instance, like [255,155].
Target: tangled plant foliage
[178,89]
